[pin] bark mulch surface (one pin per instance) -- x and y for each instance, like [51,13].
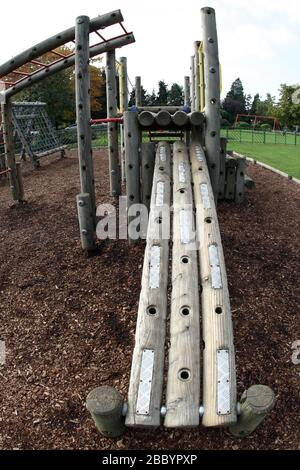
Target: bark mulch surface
[69,321]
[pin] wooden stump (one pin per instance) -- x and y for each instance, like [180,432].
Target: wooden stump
[86,221]
[106,406]
[256,403]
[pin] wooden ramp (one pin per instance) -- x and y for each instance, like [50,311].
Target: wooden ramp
[197,258]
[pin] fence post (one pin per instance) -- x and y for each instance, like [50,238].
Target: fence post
[240,135]
[83,113]
[112,127]
[295,137]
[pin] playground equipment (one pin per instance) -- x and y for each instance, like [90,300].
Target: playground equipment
[42,68]
[185,164]
[35,132]
[253,119]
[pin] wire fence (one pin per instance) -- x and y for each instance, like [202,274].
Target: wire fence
[261,137]
[68,136]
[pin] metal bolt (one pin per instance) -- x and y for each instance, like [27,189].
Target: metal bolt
[211,40]
[81,203]
[163,411]
[125,409]
[212,70]
[84,232]
[201,411]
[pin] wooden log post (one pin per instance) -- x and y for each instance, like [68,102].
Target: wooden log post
[163,118]
[138,92]
[146,118]
[112,128]
[156,109]
[86,221]
[132,159]
[123,107]
[147,371]
[147,166]
[106,406]
[83,113]
[212,95]
[223,142]
[20,181]
[187,92]
[183,385]
[9,146]
[192,68]
[180,118]
[256,403]
[230,164]
[219,374]
[197,75]
[240,180]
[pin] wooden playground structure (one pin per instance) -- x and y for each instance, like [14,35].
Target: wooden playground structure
[171,157]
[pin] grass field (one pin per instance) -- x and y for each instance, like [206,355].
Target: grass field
[283,157]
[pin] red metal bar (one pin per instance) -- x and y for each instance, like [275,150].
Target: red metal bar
[4,172]
[37,62]
[123,27]
[21,73]
[102,121]
[59,54]
[101,37]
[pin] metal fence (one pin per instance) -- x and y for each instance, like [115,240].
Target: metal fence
[261,137]
[68,136]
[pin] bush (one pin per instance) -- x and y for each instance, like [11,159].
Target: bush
[225,124]
[242,125]
[265,127]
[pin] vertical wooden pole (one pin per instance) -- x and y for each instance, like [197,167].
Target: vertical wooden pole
[132,158]
[83,110]
[86,221]
[112,127]
[240,180]
[187,92]
[147,167]
[123,107]
[106,406]
[222,168]
[197,76]
[138,92]
[192,83]
[212,95]
[9,147]
[20,181]
[256,403]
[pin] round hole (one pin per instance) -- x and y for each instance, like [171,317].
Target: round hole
[208,220]
[219,310]
[130,166]
[213,166]
[158,220]
[242,173]
[147,166]
[213,133]
[200,169]
[152,310]
[213,101]
[131,197]
[185,311]
[182,191]
[161,168]
[129,134]
[211,40]
[208,12]
[185,260]
[184,375]
[212,70]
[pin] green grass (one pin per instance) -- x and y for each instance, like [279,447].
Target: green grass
[285,158]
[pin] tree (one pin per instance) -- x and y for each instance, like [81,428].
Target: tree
[236,92]
[162,96]
[256,99]
[288,110]
[175,97]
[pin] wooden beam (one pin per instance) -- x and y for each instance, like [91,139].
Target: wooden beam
[138,92]
[240,180]
[112,127]
[231,164]
[219,375]
[183,386]
[187,92]
[180,118]
[163,118]
[222,180]
[147,170]
[147,372]
[192,68]
[197,75]
[212,95]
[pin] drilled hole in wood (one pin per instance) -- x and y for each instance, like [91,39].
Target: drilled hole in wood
[182,191]
[213,101]
[129,134]
[208,12]
[130,167]
[185,311]
[208,220]
[152,310]
[200,169]
[131,197]
[242,173]
[158,220]
[213,166]
[184,375]
[219,310]
[185,260]
[161,168]
[147,166]
[213,133]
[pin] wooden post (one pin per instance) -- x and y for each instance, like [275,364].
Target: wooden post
[230,163]
[183,386]
[219,374]
[240,180]
[187,92]
[197,76]
[147,166]
[112,128]
[123,107]
[138,92]
[86,221]
[146,118]
[20,181]
[180,118]
[196,118]
[147,371]
[212,95]
[193,83]
[83,112]
[163,118]
[9,146]
[106,406]
[221,194]
[256,403]
[132,158]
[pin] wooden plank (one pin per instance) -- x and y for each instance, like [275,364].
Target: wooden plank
[240,180]
[152,313]
[183,386]
[212,95]
[230,178]
[219,399]
[147,170]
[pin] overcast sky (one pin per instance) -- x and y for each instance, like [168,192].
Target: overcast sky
[258,39]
